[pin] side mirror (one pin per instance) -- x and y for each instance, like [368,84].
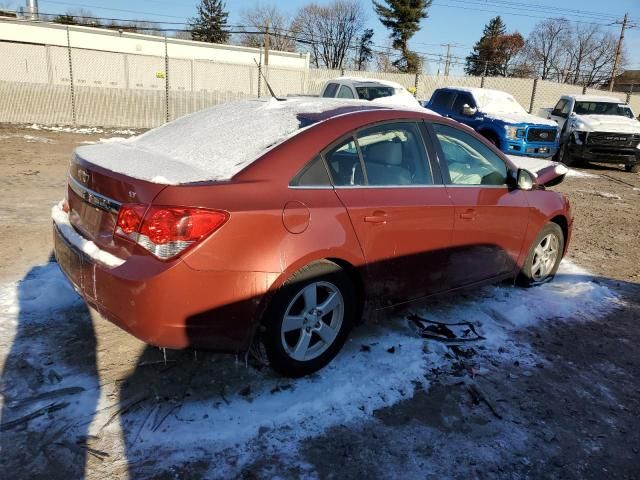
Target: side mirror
[467,111]
[526,180]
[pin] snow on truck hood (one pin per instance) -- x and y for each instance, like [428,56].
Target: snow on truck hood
[213,144]
[605,123]
[499,105]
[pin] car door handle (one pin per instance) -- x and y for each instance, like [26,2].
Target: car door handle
[469,215]
[377,217]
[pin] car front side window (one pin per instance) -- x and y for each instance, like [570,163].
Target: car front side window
[468,160]
[461,100]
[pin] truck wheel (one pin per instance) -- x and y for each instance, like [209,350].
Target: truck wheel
[635,168]
[564,153]
[309,319]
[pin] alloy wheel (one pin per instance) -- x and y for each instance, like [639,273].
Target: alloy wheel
[545,257]
[312,321]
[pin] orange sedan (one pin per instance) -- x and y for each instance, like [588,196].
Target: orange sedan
[279,224]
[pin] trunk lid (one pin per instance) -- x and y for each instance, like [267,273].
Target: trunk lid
[95,195]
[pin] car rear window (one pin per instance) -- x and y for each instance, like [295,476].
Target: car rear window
[371,93]
[330,90]
[441,99]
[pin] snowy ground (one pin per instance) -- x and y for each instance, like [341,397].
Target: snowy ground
[217,407]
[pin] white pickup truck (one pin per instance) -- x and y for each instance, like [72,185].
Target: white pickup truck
[601,129]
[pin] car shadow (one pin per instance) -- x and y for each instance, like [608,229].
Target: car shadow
[49,381]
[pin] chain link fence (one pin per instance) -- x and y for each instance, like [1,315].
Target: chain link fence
[58,85]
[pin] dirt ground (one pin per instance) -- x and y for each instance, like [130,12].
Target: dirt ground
[575,414]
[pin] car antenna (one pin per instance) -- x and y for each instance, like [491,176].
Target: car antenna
[267,82]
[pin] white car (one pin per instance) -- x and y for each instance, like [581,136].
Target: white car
[379,91]
[602,129]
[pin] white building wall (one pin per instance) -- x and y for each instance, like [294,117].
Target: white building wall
[133,43]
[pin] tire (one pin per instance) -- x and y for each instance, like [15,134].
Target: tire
[294,306]
[564,154]
[538,270]
[635,168]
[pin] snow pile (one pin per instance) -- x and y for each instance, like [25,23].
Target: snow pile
[61,219]
[213,144]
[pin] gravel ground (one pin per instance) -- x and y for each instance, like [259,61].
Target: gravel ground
[574,412]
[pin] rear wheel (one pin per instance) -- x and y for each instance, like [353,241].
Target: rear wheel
[635,168]
[544,257]
[309,319]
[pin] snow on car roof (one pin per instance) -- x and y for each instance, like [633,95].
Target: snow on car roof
[215,143]
[363,80]
[594,98]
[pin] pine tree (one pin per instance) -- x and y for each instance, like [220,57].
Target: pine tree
[365,49]
[492,53]
[403,18]
[211,22]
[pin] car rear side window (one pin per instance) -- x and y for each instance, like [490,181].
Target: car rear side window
[330,91]
[394,154]
[314,174]
[468,160]
[343,162]
[345,92]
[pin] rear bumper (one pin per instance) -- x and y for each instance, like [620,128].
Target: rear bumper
[169,304]
[606,154]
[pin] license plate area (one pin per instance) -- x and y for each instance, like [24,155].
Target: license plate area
[78,268]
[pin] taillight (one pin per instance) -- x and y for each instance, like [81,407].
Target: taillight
[167,231]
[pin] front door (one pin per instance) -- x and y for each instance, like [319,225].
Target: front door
[490,217]
[399,209]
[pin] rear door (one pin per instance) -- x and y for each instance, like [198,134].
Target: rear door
[398,206]
[490,217]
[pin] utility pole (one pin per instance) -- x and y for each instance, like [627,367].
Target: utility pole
[448,62]
[618,52]
[267,40]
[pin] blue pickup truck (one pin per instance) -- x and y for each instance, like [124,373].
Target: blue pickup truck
[498,117]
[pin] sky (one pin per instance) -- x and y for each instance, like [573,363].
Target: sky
[456,22]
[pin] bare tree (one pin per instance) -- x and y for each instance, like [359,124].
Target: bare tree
[271,18]
[330,31]
[547,45]
[581,55]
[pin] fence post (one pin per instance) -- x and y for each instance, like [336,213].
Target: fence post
[127,84]
[166,78]
[260,72]
[484,73]
[584,89]
[415,84]
[73,93]
[533,94]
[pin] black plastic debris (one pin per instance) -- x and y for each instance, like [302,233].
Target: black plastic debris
[444,332]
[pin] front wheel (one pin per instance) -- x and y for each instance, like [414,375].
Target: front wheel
[564,154]
[635,168]
[309,319]
[544,257]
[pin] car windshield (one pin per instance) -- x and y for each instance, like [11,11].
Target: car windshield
[373,92]
[602,108]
